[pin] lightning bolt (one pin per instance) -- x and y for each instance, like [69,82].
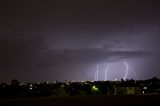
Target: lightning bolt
[127,70]
[127,67]
[106,72]
[135,74]
[96,74]
[97,71]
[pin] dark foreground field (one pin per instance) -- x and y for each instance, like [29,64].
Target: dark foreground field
[85,101]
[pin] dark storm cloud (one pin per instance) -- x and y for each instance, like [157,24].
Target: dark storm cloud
[37,35]
[27,52]
[90,56]
[19,52]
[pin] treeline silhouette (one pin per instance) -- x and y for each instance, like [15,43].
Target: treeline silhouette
[18,89]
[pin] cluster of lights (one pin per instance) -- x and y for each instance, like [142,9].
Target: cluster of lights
[31,86]
[94,88]
[144,88]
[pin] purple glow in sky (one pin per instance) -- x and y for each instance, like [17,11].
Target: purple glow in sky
[109,72]
[67,39]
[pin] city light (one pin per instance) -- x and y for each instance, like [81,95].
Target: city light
[94,88]
[145,88]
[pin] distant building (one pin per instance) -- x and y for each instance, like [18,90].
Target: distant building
[128,90]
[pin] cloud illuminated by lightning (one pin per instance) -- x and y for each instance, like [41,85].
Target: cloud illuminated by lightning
[127,69]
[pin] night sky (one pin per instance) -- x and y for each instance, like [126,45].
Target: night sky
[52,40]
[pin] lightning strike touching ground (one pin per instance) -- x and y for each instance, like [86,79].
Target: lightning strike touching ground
[126,74]
[127,69]
[97,71]
[106,72]
[96,74]
[135,74]
[95,77]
